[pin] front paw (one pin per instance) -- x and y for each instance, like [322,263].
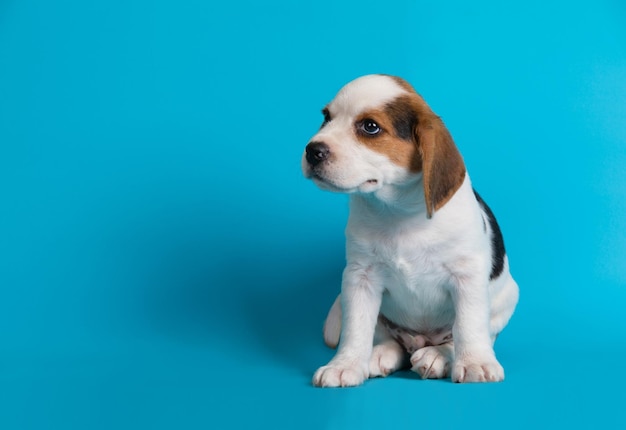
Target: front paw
[339,375]
[477,369]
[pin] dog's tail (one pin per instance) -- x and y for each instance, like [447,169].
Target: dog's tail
[332,326]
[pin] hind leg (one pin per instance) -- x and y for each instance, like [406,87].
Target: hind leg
[433,362]
[387,355]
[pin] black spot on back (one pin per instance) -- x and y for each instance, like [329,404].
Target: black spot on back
[497,242]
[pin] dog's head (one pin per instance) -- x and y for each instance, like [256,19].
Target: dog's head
[379,133]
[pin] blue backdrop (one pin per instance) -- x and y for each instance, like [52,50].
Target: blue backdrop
[163,264]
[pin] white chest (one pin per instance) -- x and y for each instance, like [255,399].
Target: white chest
[412,276]
[416,261]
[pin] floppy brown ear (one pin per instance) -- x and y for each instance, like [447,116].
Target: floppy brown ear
[443,168]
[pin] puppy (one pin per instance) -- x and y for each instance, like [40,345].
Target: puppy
[427,277]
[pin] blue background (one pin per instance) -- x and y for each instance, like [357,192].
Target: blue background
[163,264]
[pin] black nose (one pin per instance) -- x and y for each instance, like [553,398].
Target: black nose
[316,152]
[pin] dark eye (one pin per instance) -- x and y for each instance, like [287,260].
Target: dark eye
[326,117]
[370,127]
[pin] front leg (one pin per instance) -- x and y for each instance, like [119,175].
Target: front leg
[474,358]
[361,295]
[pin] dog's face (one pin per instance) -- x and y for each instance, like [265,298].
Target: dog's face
[378,132]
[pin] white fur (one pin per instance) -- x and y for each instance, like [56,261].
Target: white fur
[428,275]
[355,168]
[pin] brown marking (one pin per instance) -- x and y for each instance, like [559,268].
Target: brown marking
[400,149]
[402,83]
[414,137]
[442,164]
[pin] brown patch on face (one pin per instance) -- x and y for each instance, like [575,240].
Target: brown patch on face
[397,121]
[402,84]
[414,137]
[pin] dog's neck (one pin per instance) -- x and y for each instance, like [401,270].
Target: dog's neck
[403,200]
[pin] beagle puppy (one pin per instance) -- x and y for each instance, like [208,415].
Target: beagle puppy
[427,279]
